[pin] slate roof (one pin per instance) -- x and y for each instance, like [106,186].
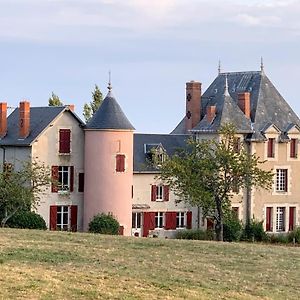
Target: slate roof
[142,142]
[40,118]
[267,105]
[109,116]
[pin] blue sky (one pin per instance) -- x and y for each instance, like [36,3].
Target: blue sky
[151,47]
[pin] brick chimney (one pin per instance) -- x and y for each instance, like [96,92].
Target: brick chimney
[244,103]
[193,104]
[71,107]
[3,119]
[210,113]
[24,119]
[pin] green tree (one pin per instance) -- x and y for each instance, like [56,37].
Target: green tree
[207,173]
[21,189]
[90,108]
[54,100]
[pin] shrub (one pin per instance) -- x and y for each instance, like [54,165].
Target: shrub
[104,224]
[295,234]
[194,234]
[254,231]
[26,219]
[232,229]
[280,238]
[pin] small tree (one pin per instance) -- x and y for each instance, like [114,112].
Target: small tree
[21,189]
[208,173]
[54,100]
[90,108]
[104,224]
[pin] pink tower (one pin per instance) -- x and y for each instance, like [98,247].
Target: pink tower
[109,164]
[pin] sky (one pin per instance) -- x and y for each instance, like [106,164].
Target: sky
[152,48]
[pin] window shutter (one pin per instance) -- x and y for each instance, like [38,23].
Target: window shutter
[292,218]
[71,179]
[74,211]
[170,220]
[271,147]
[293,148]
[120,163]
[121,230]
[54,177]
[285,180]
[81,182]
[149,223]
[189,220]
[153,192]
[53,215]
[166,193]
[64,140]
[269,219]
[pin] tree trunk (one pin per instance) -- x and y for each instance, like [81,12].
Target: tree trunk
[219,221]
[7,217]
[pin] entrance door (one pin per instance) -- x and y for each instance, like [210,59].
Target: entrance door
[136,224]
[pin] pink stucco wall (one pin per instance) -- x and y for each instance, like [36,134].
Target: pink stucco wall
[105,189]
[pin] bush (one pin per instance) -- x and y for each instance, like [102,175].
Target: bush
[232,229]
[254,231]
[194,234]
[26,219]
[280,238]
[104,224]
[295,234]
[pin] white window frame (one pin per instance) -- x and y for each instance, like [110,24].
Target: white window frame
[135,217]
[281,180]
[63,210]
[280,218]
[159,220]
[180,219]
[64,186]
[159,192]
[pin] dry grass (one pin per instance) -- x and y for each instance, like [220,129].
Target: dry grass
[60,265]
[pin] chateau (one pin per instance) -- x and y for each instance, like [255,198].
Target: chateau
[102,166]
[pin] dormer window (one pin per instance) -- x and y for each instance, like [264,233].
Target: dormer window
[155,153]
[271,147]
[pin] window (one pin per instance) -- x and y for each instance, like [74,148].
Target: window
[281,180]
[64,141]
[271,147]
[63,217]
[159,220]
[236,144]
[180,219]
[280,219]
[63,179]
[136,220]
[159,192]
[235,212]
[120,163]
[292,218]
[269,219]
[81,182]
[293,148]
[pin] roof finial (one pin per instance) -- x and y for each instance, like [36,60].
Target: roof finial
[226,93]
[219,67]
[262,65]
[109,82]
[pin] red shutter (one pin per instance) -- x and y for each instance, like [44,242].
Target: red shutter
[153,192]
[293,148]
[81,182]
[189,220]
[120,163]
[269,219]
[285,180]
[74,210]
[121,230]
[149,222]
[166,193]
[170,220]
[54,177]
[271,147]
[53,216]
[71,179]
[64,140]
[292,218]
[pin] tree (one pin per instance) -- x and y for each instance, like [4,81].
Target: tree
[54,100]
[90,108]
[21,189]
[208,173]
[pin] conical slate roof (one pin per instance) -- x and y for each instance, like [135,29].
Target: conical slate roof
[109,116]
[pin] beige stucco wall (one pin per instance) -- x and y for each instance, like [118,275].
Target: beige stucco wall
[46,149]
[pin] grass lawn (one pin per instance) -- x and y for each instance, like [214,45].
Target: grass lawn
[61,265]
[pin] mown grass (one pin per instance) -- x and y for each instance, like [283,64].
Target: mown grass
[61,265]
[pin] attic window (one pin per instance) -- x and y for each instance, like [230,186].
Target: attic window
[155,153]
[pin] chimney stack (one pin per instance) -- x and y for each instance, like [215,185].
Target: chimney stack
[193,104]
[244,103]
[3,119]
[24,119]
[71,107]
[210,113]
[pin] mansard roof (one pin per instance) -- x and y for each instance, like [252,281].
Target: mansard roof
[109,116]
[40,119]
[266,104]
